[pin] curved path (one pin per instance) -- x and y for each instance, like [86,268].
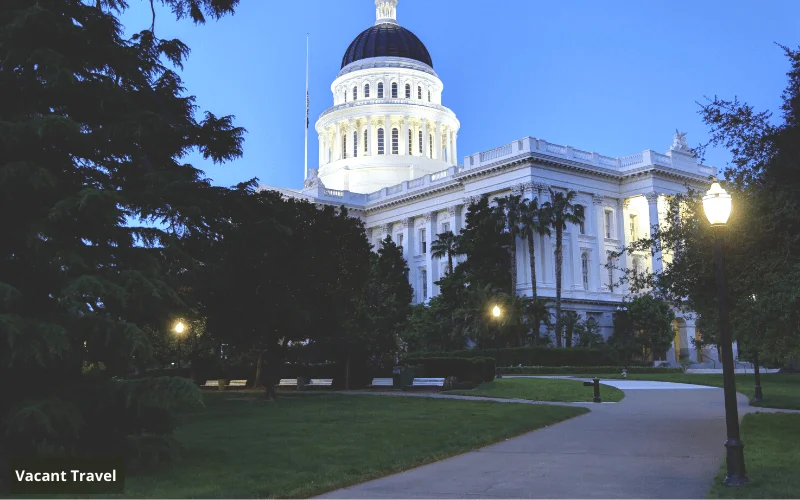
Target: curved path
[664,443]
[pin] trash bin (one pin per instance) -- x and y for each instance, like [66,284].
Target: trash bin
[402,376]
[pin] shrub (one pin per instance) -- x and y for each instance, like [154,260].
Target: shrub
[588,370]
[489,368]
[535,356]
[464,369]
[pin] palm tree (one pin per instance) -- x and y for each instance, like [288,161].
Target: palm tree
[446,245]
[534,222]
[561,211]
[512,210]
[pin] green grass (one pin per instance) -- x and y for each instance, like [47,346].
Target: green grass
[771,452]
[302,445]
[780,390]
[541,389]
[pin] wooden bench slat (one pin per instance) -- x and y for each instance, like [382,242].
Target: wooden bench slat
[382,382]
[322,382]
[288,381]
[428,382]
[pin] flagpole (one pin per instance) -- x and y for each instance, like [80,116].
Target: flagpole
[307,104]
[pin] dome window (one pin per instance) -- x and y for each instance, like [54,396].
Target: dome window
[344,146]
[355,144]
[429,96]
[419,92]
[366,140]
[380,90]
[366,91]
[410,143]
[395,142]
[421,148]
[394,90]
[380,141]
[430,147]
[408,91]
[355,93]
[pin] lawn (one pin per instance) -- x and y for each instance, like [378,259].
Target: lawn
[771,452]
[781,390]
[541,389]
[302,445]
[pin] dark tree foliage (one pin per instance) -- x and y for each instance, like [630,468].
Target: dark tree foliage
[93,129]
[485,244]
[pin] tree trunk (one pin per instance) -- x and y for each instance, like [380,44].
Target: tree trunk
[532,252]
[513,266]
[449,263]
[258,383]
[559,264]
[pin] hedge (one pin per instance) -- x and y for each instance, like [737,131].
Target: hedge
[568,370]
[475,369]
[534,356]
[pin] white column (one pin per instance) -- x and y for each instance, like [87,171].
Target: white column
[320,147]
[425,138]
[575,257]
[337,147]
[437,141]
[369,135]
[600,246]
[430,235]
[652,205]
[387,136]
[455,148]
[350,145]
[404,139]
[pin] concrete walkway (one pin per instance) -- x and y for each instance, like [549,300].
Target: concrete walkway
[665,443]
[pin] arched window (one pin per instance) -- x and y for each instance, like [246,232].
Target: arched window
[585,270]
[355,93]
[395,142]
[380,90]
[366,90]
[394,90]
[410,143]
[582,227]
[429,96]
[366,140]
[421,148]
[430,147]
[344,146]
[419,92]
[408,91]
[355,144]
[380,141]
[636,265]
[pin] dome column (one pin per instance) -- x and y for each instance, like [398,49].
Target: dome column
[337,146]
[369,135]
[319,148]
[438,141]
[408,145]
[455,146]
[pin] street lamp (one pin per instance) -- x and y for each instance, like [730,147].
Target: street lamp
[717,206]
[179,328]
[496,312]
[759,396]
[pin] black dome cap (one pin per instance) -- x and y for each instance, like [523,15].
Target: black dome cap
[386,40]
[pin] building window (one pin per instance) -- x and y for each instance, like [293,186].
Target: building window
[429,96]
[399,239]
[395,142]
[582,227]
[355,144]
[585,270]
[366,140]
[609,221]
[633,226]
[366,90]
[419,92]
[355,93]
[430,147]
[380,90]
[445,227]
[344,146]
[610,265]
[423,244]
[408,91]
[636,265]
[421,149]
[424,285]
[410,142]
[380,141]
[394,90]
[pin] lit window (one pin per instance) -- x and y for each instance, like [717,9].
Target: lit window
[366,90]
[355,93]
[585,270]
[366,140]
[344,146]
[423,245]
[633,226]
[380,141]
[609,220]
[636,266]
[421,149]
[394,90]
[410,142]
[419,93]
[355,144]
[408,91]
[380,90]
[395,142]
[582,227]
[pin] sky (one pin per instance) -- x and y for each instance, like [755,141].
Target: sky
[614,77]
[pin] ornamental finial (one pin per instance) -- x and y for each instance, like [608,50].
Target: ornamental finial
[385,11]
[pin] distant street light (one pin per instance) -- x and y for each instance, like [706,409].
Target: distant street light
[496,312]
[717,206]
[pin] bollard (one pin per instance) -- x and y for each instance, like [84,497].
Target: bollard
[596,390]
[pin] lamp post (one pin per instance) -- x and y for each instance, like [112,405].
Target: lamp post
[759,396]
[717,207]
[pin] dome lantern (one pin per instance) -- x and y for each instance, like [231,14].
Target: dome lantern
[385,12]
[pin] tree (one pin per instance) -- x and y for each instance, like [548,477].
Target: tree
[511,210]
[559,212]
[485,245]
[588,333]
[534,224]
[95,131]
[569,320]
[446,245]
[643,327]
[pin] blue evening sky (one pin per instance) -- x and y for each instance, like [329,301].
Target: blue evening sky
[614,77]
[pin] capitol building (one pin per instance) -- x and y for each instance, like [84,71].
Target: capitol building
[388,151]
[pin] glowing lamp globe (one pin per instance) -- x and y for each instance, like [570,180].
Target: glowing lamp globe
[496,312]
[179,327]
[717,205]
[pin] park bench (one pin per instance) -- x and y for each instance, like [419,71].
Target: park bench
[212,384]
[427,383]
[238,383]
[382,382]
[320,382]
[286,383]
